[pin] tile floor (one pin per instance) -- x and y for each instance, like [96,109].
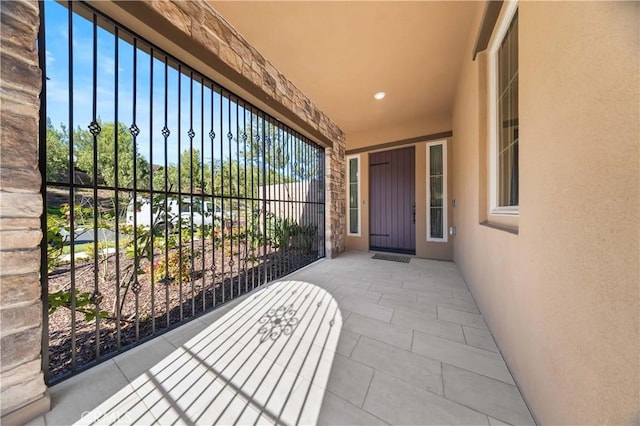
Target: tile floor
[412,348]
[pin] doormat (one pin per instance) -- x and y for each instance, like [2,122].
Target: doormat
[391,258]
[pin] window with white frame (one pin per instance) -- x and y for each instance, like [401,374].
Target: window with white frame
[503,113]
[437,191]
[353,212]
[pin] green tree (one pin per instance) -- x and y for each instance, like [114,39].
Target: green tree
[57,152]
[106,167]
[191,170]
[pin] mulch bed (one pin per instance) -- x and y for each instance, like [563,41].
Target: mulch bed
[154,307]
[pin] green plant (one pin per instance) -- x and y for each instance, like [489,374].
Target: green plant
[56,242]
[283,231]
[305,236]
[85,303]
[176,266]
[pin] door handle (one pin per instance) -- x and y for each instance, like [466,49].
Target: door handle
[413,212]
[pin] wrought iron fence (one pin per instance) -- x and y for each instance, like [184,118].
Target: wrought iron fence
[166,194]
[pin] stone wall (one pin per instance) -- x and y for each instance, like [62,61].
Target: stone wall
[21,380]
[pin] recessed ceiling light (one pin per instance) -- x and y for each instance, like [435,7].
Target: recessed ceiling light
[379,95]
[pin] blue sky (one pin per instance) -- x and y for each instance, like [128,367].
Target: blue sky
[58,73]
[149,112]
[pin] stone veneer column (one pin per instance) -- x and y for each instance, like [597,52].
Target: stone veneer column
[23,392]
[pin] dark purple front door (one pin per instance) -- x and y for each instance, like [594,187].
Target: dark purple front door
[392,221]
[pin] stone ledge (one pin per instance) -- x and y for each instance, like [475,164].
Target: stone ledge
[28,412]
[16,396]
[22,373]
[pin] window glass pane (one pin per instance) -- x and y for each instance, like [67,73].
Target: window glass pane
[353,170]
[435,159]
[353,221]
[507,132]
[436,223]
[353,196]
[436,191]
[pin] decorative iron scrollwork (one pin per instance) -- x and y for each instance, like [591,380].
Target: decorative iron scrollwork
[95,128]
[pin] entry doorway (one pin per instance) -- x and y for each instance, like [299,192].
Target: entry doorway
[392,195]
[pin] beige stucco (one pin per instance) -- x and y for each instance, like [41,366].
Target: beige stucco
[339,53]
[407,129]
[562,296]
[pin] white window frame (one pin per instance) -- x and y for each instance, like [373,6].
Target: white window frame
[359,184]
[445,198]
[504,20]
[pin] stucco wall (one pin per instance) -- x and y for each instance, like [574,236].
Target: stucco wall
[413,127]
[562,297]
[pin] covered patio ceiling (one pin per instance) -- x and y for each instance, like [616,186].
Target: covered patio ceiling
[341,53]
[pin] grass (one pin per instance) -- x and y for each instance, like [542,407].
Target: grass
[54,211]
[88,247]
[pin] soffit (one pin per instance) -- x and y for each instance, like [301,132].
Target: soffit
[340,53]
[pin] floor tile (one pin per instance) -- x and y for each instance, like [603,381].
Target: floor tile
[460,317]
[489,396]
[399,403]
[395,291]
[496,422]
[447,330]
[385,284]
[338,412]
[38,421]
[411,368]
[427,287]
[359,293]
[138,360]
[345,314]
[125,407]
[379,330]
[427,310]
[84,392]
[347,342]
[365,308]
[184,333]
[479,338]
[468,357]
[449,302]
[452,275]
[362,284]
[385,365]
[349,380]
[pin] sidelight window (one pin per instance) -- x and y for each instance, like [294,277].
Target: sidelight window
[354,195]
[437,191]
